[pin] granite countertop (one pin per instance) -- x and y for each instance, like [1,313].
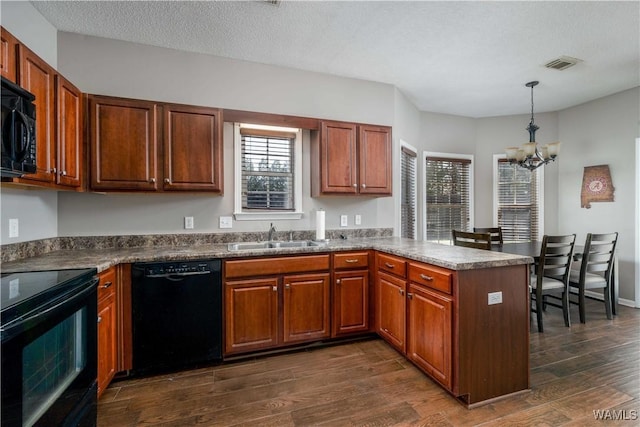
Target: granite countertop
[452,257]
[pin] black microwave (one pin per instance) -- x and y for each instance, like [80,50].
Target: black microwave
[18,130]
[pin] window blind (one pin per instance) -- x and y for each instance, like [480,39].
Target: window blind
[517,202]
[448,198]
[408,166]
[267,170]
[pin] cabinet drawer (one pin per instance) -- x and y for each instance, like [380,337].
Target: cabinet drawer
[431,276]
[107,283]
[392,264]
[276,265]
[351,260]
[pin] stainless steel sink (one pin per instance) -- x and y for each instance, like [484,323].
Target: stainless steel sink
[245,246]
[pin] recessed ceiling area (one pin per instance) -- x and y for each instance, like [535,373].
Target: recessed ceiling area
[464,58]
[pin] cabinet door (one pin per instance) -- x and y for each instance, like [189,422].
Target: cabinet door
[124,147]
[251,315]
[107,339]
[338,158]
[351,302]
[430,339]
[69,139]
[374,151]
[306,307]
[37,77]
[107,328]
[192,148]
[391,310]
[8,56]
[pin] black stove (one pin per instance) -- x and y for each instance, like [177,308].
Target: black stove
[21,293]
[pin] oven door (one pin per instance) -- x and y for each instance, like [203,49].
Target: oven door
[49,360]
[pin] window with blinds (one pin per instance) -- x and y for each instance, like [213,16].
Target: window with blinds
[267,169]
[408,215]
[518,206]
[448,199]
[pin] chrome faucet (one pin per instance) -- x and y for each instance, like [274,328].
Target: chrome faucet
[272,230]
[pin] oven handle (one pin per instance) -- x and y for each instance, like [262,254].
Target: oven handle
[8,331]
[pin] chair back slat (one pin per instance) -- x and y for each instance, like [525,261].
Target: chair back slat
[494,232]
[471,240]
[556,256]
[599,253]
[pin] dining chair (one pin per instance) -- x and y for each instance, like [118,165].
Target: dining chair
[495,232]
[552,275]
[471,240]
[594,270]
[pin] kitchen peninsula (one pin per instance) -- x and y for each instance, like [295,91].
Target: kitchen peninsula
[459,314]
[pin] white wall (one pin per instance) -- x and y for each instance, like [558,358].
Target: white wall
[36,210]
[116,68]
[494,134]
[596,133]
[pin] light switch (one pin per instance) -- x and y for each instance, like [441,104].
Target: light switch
[344,220]
[188,222]
[13,227]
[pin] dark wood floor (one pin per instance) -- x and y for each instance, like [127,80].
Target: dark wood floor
[574,372]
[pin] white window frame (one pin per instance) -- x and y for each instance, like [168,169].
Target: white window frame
[262,215]
[415,198]
[470,157]
[540,191]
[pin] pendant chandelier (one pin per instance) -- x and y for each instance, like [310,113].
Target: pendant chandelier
[528,155]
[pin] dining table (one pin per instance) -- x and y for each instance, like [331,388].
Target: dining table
[532,249]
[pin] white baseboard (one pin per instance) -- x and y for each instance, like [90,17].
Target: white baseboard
[621,301]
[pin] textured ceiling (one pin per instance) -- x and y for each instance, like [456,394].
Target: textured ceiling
[465,58]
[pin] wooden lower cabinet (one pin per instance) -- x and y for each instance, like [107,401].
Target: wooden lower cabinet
[391,310]
[251,314]
[351,302]
[107,328]
[429,324]
[265,310]
[306,307]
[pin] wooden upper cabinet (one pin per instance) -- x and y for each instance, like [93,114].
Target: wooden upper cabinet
[374,150]
[69,149]
[38,77]
[192,148]
[337,159]
[349,158]
[124,144]
[8,56]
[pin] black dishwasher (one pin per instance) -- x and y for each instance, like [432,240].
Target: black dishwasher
[177,314]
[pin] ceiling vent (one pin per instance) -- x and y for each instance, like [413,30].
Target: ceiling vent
[562,63]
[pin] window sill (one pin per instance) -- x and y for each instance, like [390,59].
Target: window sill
[262,216]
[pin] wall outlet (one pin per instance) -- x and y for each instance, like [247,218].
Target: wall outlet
[495,298]
[188,222]
[13,227]
[358,220]
[226,222]
[344,220]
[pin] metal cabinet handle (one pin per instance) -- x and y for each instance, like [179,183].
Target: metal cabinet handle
[351,261]
[152,180]
[410,295]
[53,170]
[167,181]
[355,185]
[287,286]
[401,291]
[425,277]
[63,173]
[338,281]
[386,264]
[106,285]
[275,288]
[364,185]
[99,319]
